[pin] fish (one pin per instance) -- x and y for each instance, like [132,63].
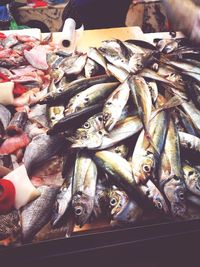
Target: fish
[142,99]
[83,188]
[55,113]
[92,68]
[120,74]
[90,96]
[4,121]
[145,156]
[76,67]
[123,129]
[10,225]
[114,105]
[192,178]
[170,173]
[139,61]
[124,211]
[37,57]
[189,142]
[14,143]
[121,149]
[101,201]
[75,119]
[74,88]
[17,123]
[193,113]
[63,201]
[40,149]
[167,45]
[37,213]
[97,57]
[120,171]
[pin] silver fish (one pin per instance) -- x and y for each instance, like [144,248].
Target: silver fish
[84,187]
[62,202]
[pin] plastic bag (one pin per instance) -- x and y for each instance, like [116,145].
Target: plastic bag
[15,26]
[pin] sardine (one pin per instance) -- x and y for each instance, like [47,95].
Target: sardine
[74,88]
[92,68]
[142,99]
[122,130]
[90,96]
[145,156]
[114,105]
[189,142]
[76,67]
[84,187]
[75,119]
[170,173]
[37,213]
[120,171]
[192,178]
[124,211]
[62,202]
[96,56]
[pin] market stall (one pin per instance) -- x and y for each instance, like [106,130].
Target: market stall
[124,190]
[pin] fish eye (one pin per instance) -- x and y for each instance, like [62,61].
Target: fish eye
[100,132]
[113,202]
[86,99]
[108,103]
[100,118]
[176,178]
[146,168]
[190,173]
[78,210]
[181,195]
[86,125]
[105,116]
[159,205]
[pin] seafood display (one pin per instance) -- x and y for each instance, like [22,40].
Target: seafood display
[110,134]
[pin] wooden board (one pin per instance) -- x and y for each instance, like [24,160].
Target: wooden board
[93,38]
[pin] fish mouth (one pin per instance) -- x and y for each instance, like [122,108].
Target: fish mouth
[82,205]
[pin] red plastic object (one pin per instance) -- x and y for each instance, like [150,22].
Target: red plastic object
[7,196]
[19,89]
[3,78]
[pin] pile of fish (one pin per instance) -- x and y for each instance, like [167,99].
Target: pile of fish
[113,133]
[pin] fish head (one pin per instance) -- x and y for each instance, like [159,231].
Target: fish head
[82,205]
[157,198]
[118,200]
[128,215]
[145,168]
[84,139]
[193,181]
[175,192]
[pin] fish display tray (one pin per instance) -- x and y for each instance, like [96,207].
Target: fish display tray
[112,246]
[154,242]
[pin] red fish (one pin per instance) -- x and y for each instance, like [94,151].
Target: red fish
[14,143]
